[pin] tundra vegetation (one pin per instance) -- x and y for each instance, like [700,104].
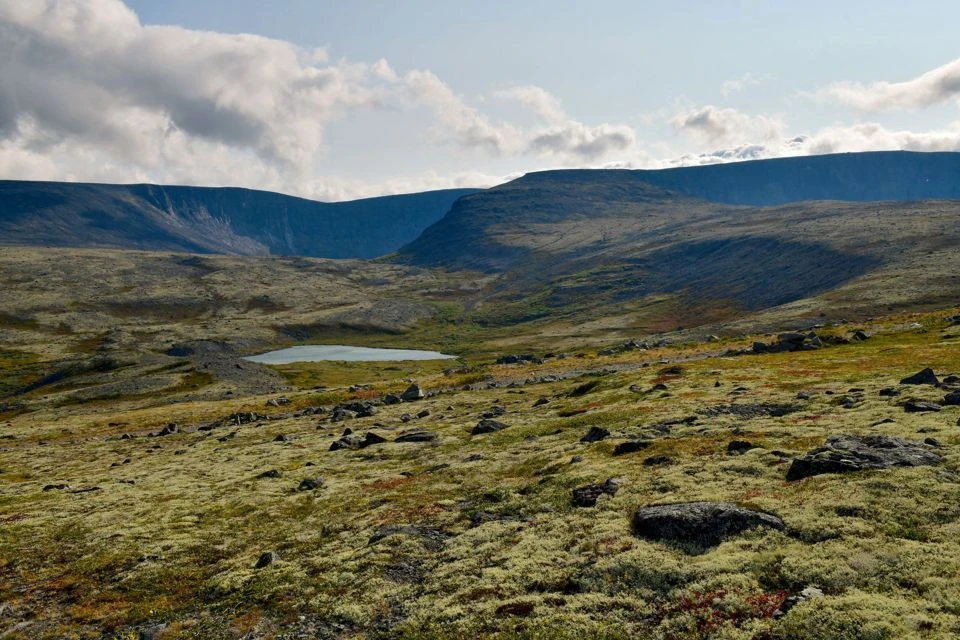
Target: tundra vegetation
[155,485]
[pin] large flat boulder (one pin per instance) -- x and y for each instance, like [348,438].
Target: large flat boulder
[846,454]
[704,524]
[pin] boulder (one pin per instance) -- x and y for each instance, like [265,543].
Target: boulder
[630,446]
[340,414]
[926,376]
[920,406]
[417,436]
[309,484]
[266,559]
[494,412]
[487,426]
[362,408]
[704,524]
[845,454]
[596,434]
[413,393]
[351,441]
[952,398]
[587,495]
[737,447]
[371,438]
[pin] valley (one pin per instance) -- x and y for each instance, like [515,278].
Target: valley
[714,402]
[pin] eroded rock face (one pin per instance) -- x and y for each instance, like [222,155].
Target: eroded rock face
[845,454]
[704,524]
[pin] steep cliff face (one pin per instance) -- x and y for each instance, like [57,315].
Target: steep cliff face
[213,220]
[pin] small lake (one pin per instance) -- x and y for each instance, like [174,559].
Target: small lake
[319,352]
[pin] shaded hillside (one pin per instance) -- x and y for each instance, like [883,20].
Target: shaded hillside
[212,220]
[583,242]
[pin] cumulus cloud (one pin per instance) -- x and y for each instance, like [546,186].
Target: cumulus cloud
[88,89]
[87,92]
[560,136]
[467,126]
[714,125]
[931,88]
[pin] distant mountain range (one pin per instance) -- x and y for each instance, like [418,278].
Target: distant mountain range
[212,220]
[546,214]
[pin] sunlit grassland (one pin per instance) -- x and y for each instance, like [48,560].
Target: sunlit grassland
[173,535]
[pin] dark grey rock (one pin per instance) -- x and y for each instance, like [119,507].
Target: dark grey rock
[889,392]
[494,412]
[952,398]
[417,436]
[309,484]
[845,454]
[281,438]
[340,414]
[423,414]
[412,393]
[654,461]
[351,441]
[168,430]
[631,446]
[920,406]
[926,376]
[272,473]
[266,559]
[595,434]
[391,399]
[587,495]
[703,524]
[540,402]
[738,447]
[487,426]
[371,438]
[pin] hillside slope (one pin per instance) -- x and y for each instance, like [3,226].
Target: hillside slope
[212,220]
[707,237]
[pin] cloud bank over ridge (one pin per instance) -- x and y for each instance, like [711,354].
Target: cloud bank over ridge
[88,92]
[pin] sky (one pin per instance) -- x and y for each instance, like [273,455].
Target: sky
[335,100]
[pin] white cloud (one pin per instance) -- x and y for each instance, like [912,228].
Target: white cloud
[467,126]
[560,137]
[931,88]
[720,126]
[869,136]
[89,93]
[748,79]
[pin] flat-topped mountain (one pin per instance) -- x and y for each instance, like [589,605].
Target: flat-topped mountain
[729,238]
[212,220]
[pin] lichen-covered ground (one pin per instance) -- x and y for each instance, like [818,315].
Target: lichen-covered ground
[103,535]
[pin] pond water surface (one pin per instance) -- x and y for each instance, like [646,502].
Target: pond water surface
[319,352]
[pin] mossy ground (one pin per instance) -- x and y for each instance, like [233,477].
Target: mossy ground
[475,536]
